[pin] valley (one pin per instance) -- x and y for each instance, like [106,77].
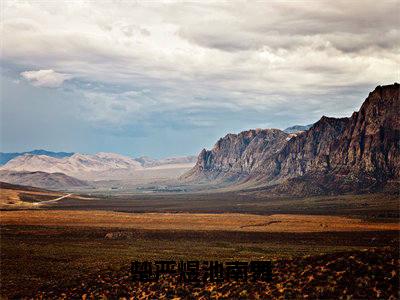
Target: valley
[314,200]
[199,150]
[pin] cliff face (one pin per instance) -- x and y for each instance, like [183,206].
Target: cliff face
[370,144]
[236,156]
[343,154]
[308,151]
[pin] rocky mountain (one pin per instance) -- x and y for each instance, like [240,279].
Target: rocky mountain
[334,155]
[297,128]
[5,157]
[42,180]
[83,166]
[236,156]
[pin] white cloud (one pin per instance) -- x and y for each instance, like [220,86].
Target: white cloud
[196,55]
[45,78]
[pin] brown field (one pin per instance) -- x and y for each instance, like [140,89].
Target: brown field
[59,245]
[194,221]
[11,198]
[15,198]
[365,206]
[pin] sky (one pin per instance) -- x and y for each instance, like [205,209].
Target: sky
[167,78]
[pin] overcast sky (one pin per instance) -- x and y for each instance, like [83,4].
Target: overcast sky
[170,78]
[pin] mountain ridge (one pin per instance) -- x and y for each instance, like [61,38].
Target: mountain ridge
[7,156]
[99,166]
[81,166]
[360,149]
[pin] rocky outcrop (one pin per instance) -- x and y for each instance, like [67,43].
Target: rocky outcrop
[344,154]
[235,156]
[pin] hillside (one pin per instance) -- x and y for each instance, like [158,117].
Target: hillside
[17,187]
[41,180]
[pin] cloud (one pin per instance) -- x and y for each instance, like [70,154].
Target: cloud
[231,46]
[200,64]
[45,78]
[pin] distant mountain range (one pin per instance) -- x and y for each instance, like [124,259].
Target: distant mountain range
[334,155]
[145,161]
[148,162]
[100,166]
[78,165]
[5,157]
[297,128]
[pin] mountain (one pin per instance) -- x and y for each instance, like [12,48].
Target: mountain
[42,180]
[148,162]
[335,155]
[297,128]
[9,186]
[145,160]
[78,165]
[100,166]
[235,156]
[5,157]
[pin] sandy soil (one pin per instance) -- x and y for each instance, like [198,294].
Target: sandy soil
[186,221]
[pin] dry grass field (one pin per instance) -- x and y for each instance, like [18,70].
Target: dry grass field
[14,198]
[83,244]
[18,197]
[371,206]
[193,221]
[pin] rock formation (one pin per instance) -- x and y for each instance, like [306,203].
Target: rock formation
[334,155]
